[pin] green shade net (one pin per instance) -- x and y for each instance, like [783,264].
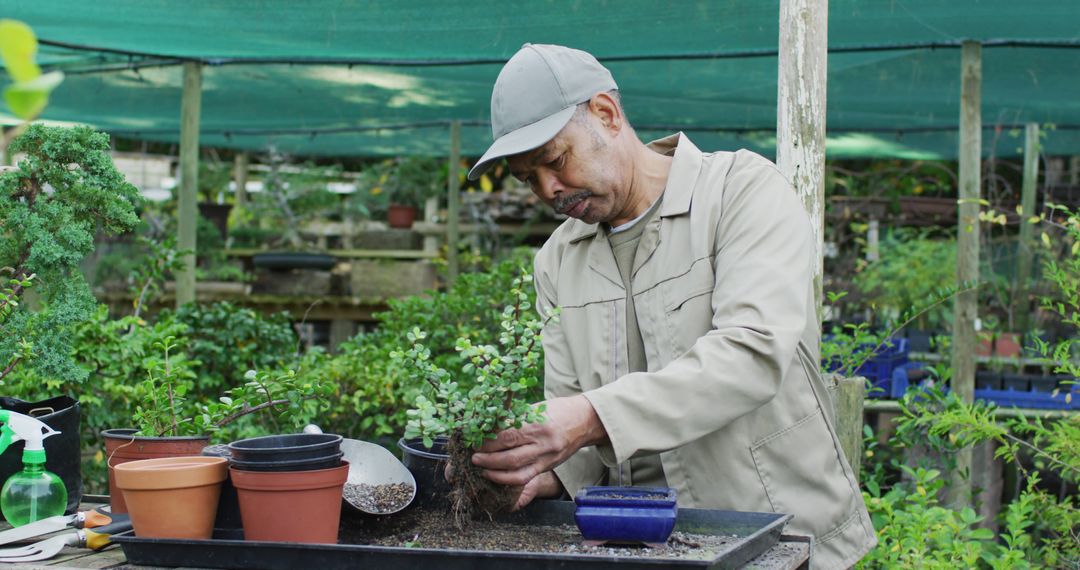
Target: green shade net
[339,78]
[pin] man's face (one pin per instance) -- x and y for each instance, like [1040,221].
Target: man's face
[576,173]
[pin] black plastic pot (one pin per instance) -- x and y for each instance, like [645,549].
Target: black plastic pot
[1044,384]
[427,465]
[987,380]
[294,260]
[227,523]
[1018,382]
[296,447]
[310,464]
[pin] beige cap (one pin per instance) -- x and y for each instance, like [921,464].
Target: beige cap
[535,96]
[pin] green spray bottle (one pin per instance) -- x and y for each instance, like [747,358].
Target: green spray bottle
[33,493]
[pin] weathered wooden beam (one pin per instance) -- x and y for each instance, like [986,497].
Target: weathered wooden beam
[189,180]
[965,309]
[1025,251]
[453,203]
[431,210]
[800,113]
[850,395]
[240,176]
[348,253]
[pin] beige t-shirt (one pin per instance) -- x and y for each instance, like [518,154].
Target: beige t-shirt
[646,471]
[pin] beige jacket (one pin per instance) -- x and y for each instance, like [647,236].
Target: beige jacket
[732,400]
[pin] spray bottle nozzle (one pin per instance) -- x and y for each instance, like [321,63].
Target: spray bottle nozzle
[19,427]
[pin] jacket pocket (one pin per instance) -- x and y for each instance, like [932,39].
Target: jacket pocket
[688,305]
[802,475]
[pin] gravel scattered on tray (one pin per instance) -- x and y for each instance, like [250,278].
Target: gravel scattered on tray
[385,498]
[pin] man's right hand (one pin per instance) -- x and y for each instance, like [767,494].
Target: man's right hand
[517,456]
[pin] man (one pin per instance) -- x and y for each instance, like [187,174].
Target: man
[686,351]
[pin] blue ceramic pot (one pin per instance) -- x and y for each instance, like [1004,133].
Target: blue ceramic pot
[626,514]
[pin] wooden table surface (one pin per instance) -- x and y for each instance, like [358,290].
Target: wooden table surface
[790,554]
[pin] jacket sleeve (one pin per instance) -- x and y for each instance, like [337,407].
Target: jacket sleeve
[761,264]
[584,468]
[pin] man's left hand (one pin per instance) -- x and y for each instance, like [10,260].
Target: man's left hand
[516,456]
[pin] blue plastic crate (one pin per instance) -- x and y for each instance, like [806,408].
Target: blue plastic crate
[878,369]
[1037,400]
[1002,398]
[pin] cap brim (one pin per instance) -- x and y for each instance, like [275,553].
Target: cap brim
[526,138]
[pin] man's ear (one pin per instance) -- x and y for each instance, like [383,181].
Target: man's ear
[607,110]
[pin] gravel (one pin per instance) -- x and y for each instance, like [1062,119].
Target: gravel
[386,498]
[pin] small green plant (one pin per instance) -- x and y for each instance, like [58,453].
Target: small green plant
[166,411]
[470,413]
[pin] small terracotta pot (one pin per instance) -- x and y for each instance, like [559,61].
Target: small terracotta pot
[121,446]
[400,216]
[172,497]
[291,506]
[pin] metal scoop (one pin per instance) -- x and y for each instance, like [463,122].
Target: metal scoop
[372,465]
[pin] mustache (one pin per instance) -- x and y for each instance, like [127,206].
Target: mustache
[564,203]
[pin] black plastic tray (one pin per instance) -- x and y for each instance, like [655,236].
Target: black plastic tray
[757,533]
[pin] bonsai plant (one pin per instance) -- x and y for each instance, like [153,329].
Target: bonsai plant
[292,196]
[484,398]
[44,234]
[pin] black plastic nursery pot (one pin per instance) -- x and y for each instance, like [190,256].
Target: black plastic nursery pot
[296,447]
[227,522]
[427,465]
[313,464]
[281,260]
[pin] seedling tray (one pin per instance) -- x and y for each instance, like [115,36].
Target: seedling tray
[755,534]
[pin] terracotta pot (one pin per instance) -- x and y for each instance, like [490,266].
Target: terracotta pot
[121,447]
[172,497]
[399,216]
[291,506]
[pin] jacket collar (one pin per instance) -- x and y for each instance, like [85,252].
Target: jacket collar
[680,184]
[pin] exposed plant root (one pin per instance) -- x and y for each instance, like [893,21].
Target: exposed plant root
[470,492]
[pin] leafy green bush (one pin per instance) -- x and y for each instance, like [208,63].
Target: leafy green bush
[1038,529]
[911,269]
[228,340]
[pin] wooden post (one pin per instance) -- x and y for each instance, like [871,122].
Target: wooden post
[1024,250]
[965,308]
[240,176]
[189,179]
[850,394]
[800,114]
[431,209]
[453,203]
[1074,170]
[873,241]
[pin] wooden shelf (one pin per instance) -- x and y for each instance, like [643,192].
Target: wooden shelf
[348,253]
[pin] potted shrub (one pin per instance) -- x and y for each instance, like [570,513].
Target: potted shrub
[167,425]
[407,183]
[472,405]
